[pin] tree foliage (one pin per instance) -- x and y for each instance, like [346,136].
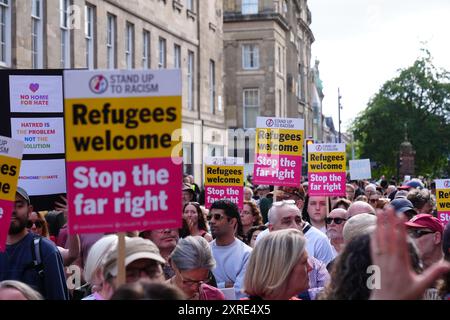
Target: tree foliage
[420,98]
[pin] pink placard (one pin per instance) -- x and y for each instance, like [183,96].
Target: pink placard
[277,170]
[6,208]
[123,195]
[326,183]
[233,193]
[444,217]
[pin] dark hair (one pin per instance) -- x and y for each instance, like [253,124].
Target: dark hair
[342,202]
[231,211]
[55,221]
[251,231]
[349,272]
[144,290]
[184,231]
[305,215]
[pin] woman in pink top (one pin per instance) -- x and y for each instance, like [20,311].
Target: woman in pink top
[192,262]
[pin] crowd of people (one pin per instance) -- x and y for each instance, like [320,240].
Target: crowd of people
[379,241]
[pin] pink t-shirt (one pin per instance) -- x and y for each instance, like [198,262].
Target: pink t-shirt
[208,292]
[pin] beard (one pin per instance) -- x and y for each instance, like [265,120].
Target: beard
[17,225]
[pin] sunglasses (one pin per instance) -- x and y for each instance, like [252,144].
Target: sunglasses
[37,223]
[417,233]
[284,203]
[216,216]
[336,220]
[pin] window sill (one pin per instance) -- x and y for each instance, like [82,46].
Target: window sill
[191,14]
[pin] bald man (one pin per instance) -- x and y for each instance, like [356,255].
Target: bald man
[359,207]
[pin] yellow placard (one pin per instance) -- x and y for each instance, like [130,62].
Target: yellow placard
[279,141]
[9,175]
[327,162]
[121,128]
[443,200]
[224,175]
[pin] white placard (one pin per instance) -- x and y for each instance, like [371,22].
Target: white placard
[326,147]
[360,169]
[11,147]
[280,123]
[40,135]
[43,177]
[224,161]
[120,83]
[36,94]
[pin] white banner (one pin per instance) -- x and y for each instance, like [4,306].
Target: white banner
[43,177]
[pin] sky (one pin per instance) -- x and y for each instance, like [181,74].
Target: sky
[362,43]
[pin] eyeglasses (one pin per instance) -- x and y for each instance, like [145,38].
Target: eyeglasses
[152,270]
[284,203]
[216,216]
[191,283]
[336,220]
[37,223]
[417,233]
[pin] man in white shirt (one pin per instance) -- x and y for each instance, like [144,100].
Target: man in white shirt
[230,253]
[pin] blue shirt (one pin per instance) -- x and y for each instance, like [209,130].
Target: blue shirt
[16,264]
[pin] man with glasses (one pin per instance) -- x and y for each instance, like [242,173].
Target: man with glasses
[335,222]
[29,258]
[142,262]
[231,254]
[426,232]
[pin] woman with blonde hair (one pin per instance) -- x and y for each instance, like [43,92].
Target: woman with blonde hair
[278,267]
[16,290]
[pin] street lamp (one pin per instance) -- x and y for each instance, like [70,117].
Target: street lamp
[339,113]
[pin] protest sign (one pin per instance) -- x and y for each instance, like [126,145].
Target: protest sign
[279,147]
[326,169]
[360,169]
[443,200]
[224,179]
[35,94]
[10,157]
[33,113]
[121,175]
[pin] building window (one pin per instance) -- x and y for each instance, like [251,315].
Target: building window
[280,60]
[37,35]
[188,157]
[162,53]
[215,151]
[146,49]
[190,80]
[111,42]
[212,86]
[129,45]
[176,56]
[250,56]
[300,82]
[249,6]
[190,5]
[251,107]
[5,33]
[89,13]
[65,33]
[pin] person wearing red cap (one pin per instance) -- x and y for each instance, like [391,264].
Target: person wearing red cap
[426,231]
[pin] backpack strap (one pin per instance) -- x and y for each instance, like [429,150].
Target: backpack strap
[306,229]
[36,253]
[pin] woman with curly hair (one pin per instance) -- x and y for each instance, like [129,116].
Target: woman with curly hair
[194,223]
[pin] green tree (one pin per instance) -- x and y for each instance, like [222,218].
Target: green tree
[420,98]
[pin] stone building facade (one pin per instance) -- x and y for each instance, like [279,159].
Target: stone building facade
[105,34]
[267,48]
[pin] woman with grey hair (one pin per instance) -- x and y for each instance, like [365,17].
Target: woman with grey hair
[16,290]
[192,262]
